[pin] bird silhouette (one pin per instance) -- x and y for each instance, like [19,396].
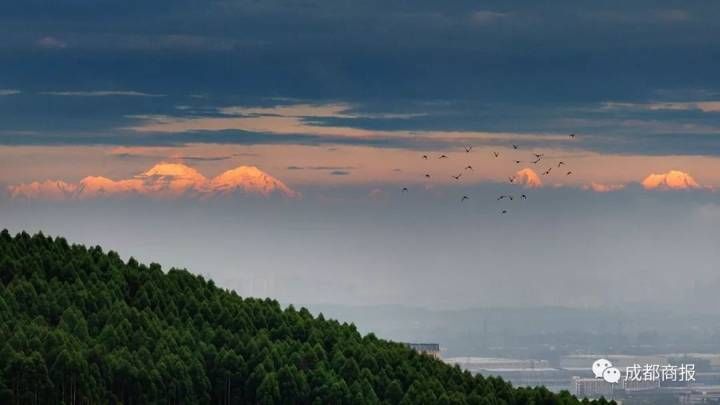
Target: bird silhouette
[502,197]
[425,157]
[404,189]
[511,179]
[524,197]
[503,212]
[442,157]
[539,155]
[572,136]
[468,148]
[536,161]
[468,167]
[515,146]
[517,162]
[568,173]
[496,154]
[560,163]
[427,175]
[547,171]
[457,177]
[511,197]
[464,198]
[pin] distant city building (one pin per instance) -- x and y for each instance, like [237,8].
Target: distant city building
[592,388]
[480,364]
[574,374]
[642,385]
[431,349]
[621,361]
[522,372]
[712,359]
[701,395]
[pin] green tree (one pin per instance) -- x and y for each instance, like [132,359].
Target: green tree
[268,393]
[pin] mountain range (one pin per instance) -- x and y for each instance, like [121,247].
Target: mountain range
[164,180]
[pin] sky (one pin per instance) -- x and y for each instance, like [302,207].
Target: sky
[320,151]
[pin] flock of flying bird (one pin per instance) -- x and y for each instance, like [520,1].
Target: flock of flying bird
[538,158]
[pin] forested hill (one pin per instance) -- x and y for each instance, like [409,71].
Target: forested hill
[80,326]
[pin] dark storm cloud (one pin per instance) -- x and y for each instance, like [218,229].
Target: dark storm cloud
[624,128]
[236,137]
[204,158]
[550,50]
[513,66]
[128,155]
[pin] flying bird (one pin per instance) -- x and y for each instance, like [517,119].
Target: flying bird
[511,179]
[547,171]
[468,167]
[496,154]
[404,189]
[572,136]
[560,163]
[517,162]
[427,175]
[468,148]
[536,161]
[464,198]
[442,157]
[511,197]
[425,157]
[515,146]
[539,155]
[568,173]
[503,212]
[524,197]
[457,177]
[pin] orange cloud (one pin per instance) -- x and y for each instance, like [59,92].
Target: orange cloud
[672,180]
[301,119]
[164,180]
[528,178]
[704,106]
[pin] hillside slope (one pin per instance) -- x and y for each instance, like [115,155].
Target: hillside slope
[80,326]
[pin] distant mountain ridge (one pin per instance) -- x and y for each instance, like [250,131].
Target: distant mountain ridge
[164,180]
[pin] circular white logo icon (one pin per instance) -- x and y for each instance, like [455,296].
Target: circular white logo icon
[611,375]
[599,366]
